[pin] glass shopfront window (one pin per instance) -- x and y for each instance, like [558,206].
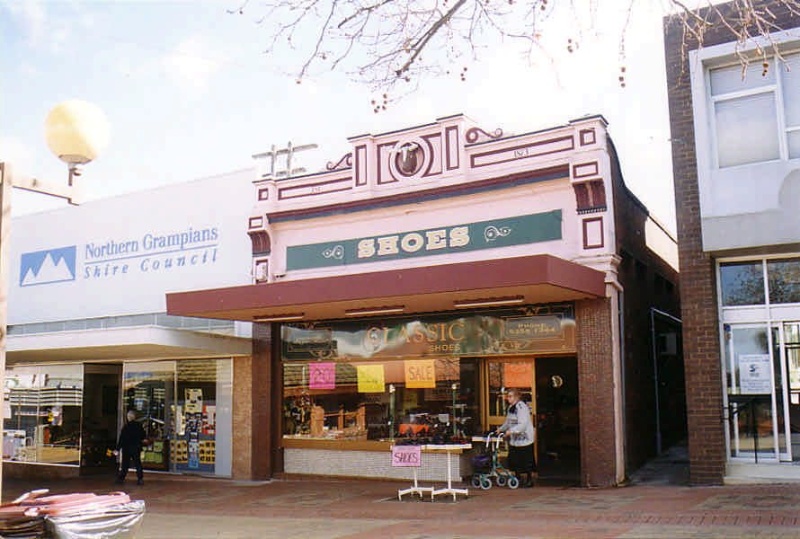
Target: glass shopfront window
[432,399]
[186,409]
[412,378]
[42,411]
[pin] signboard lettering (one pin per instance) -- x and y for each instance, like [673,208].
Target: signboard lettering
[407,456]
[420,373]
[467,335]
[509,231]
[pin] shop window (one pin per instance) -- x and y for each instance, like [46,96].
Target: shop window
[427,400]
[43,414]
[784,280]
[742,283]
[185,408]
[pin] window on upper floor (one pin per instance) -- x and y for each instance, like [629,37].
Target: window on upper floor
[756,117]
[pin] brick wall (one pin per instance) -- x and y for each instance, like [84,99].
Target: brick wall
[648,282]
[698,288]
[595,378]
[253,449]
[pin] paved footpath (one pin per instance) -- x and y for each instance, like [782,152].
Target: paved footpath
[187,507]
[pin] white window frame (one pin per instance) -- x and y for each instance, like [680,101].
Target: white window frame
[701,61]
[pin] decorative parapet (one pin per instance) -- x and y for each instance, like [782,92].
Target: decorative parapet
[450,157]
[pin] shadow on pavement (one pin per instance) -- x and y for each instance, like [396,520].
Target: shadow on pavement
[669,468]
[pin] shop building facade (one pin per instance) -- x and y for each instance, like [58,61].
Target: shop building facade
[89,337]
[398,294]
[736,161]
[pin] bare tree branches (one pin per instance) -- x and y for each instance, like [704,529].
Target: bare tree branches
[750,23]
[386,43]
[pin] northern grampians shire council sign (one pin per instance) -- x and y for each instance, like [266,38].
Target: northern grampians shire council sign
[110,258]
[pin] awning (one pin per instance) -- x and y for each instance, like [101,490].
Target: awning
[487,283]
[124,343]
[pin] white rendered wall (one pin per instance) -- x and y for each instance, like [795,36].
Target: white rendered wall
[130,276]
[748,205]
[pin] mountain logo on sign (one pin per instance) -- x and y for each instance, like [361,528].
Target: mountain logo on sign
[48,266]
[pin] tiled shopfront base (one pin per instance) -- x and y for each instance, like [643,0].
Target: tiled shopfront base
[373,464]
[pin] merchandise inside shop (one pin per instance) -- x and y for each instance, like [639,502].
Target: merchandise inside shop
[71,414]
[431,380]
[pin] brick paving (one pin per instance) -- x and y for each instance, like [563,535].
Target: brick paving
[188,507]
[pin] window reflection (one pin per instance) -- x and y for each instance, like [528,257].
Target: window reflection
[784,280]
[742,283]
[43,414]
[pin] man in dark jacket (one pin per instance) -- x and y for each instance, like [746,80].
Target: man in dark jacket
[129,445]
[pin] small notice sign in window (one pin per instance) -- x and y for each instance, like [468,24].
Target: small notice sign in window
[755,374]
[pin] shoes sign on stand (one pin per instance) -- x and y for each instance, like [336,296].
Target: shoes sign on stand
[409,456]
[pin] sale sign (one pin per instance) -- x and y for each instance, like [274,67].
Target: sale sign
[407,456]
[518,375]
[322,375]
[420,373]
[370,378]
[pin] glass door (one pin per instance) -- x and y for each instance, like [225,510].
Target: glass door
[148,389]
[754,375]
[790,363]
[502,374]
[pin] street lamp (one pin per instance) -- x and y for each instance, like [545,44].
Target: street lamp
[76,131]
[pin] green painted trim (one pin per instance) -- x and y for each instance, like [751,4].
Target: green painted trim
[492,234]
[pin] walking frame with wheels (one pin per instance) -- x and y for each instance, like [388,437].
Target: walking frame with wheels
[488,467]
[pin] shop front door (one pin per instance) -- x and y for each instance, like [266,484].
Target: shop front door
[558,432]
[100,412]
[550,386]
[762,366]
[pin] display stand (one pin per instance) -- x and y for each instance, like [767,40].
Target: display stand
[414,489]
[449,448]
[409,456]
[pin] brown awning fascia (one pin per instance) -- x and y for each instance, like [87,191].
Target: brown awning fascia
[531,280]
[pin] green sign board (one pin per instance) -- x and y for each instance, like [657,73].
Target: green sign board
[518,230]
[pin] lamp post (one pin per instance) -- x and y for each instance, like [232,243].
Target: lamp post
[75,131]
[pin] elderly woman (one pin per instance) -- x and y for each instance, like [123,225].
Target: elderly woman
[518,430]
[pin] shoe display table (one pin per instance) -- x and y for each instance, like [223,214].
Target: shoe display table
[449,448]
[410,456]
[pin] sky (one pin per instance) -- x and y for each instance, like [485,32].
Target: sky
[189,93]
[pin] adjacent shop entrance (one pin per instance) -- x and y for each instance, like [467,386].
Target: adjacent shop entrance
[763,376]
[550,386]
[185,408]
[100,416]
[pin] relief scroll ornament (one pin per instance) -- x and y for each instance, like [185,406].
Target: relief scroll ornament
[476,134]
[345,162]
[336,252]
[491,233]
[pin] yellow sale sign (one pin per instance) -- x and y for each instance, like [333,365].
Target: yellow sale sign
[420,373]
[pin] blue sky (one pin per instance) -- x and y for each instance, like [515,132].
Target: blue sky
[189,93]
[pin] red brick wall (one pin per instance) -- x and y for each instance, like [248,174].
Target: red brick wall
[595,378]
[698,287]
[253,450]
